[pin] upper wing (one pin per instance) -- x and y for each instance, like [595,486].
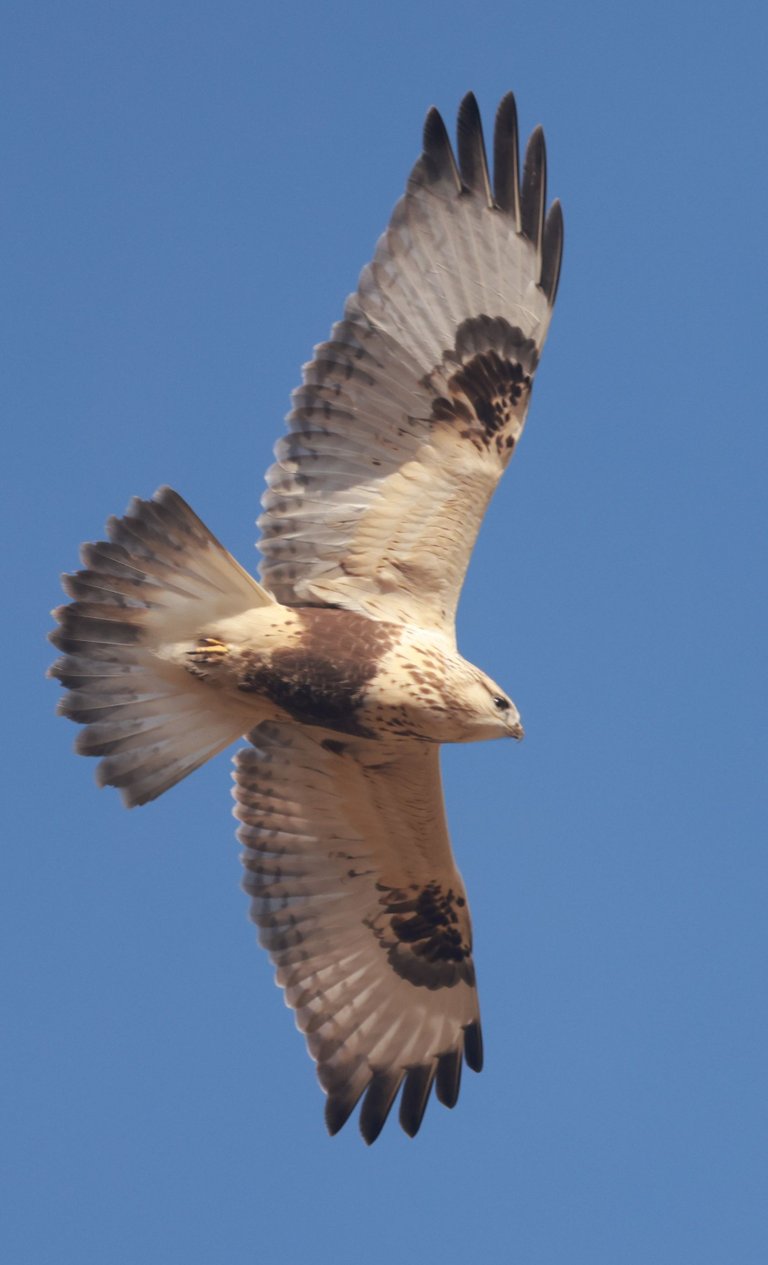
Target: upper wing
[364,914]
[409,415]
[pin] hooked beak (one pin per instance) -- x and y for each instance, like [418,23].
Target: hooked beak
[516,730]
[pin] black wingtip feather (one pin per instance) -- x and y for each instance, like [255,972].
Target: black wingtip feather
[448,1078]
[377,1103]
[338,1109]
[534,189]
[473,164]
[506,161]
[473,1047]
[438,154]
[552,251]
[413,1103]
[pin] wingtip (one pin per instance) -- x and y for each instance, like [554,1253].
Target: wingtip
[468,117]
[533,194]
[473,1046]
[448,1077]
[415,1096]
[339,1106]
[438,153]
[552,251]
[335,1115]
[377,1104]
[473,162]
[434,129]
[506,159]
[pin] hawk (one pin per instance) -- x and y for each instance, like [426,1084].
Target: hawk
[341,668]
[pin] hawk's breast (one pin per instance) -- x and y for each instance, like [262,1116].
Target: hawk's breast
[321,676]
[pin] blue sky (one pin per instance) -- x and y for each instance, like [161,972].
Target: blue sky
[189,192]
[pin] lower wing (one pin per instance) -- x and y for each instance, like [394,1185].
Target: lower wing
[363,912]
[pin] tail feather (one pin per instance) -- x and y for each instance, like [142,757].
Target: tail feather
[120,572]
[143,774]
[160,578]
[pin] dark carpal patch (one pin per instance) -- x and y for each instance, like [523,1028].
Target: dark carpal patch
[494,388]
[426,933]
[321,679]
[484,382]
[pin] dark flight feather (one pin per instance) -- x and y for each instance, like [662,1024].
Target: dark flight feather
[506,161]
[473,163]
[534,191]
[552,251]
[416,1089]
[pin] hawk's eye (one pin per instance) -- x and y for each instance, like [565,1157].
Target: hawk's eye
[501,704]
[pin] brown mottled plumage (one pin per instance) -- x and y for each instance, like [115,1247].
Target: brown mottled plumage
[343,672]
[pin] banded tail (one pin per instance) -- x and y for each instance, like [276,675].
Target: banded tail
[160,579]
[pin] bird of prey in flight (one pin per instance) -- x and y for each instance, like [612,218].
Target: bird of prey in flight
[341,668]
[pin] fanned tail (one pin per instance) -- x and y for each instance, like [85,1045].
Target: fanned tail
[160,578]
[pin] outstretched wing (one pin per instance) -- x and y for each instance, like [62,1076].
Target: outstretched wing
[358,901]
[409,414]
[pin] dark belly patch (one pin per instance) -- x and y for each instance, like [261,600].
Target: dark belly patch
[321,678]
